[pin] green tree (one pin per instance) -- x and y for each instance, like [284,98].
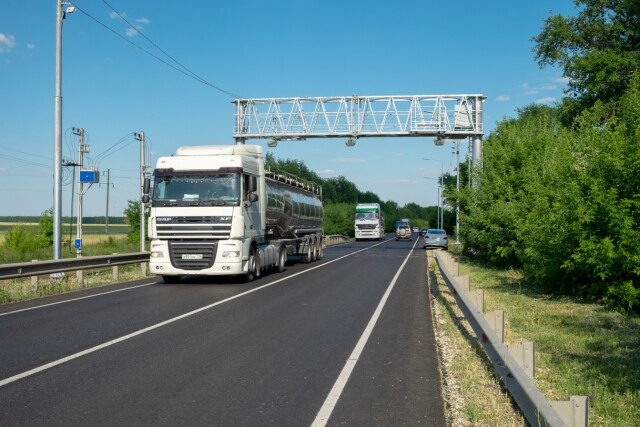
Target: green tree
[339,219]
[132,213]
[345,190]
[598,49]
[46,226]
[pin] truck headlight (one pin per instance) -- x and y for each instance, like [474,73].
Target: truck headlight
[156,254]
[231,254]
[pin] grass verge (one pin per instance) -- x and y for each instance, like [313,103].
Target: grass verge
[581,349]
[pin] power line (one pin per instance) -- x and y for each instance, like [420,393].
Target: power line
[184,70]
[26,162]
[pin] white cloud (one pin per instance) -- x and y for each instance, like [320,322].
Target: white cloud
[6,42]
[545,101]
[114,15]
[327,172]
[31,46]
[348,160]
[131,32]
[534,90]
[143,21]
[502,98]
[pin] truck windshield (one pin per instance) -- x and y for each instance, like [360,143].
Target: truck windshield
[199,190]
[366,216]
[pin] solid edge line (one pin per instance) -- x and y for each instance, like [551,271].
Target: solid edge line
[75,299]
[55,363]
[336,391]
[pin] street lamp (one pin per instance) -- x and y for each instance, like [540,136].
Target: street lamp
[438,213]
[57,133]
[440,208]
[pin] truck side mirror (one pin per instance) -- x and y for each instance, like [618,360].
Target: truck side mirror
[146,186]
[253,197]
[252,184]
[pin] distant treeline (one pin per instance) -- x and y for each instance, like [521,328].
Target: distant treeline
[65,219]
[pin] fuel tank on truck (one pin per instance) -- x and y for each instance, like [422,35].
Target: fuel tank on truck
[293,209]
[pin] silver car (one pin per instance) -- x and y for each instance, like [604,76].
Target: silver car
[403,232]
[436,238]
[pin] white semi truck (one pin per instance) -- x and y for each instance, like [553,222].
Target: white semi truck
[216,211]
[369,222]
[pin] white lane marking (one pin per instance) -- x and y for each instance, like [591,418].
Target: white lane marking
[75,299]
[164,323]
[338,387]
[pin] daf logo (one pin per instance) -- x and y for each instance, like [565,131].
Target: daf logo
[164,219]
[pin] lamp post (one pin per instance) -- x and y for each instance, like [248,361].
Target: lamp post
[438,212]
[57,132]
[457,150]
[440,208]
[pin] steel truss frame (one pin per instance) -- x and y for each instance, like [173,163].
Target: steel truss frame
[440,116]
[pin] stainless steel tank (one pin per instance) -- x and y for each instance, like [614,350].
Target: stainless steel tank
[292,211]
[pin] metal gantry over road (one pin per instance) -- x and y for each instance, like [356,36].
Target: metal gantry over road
[439,116]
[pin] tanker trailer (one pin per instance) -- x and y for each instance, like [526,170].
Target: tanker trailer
[215,211]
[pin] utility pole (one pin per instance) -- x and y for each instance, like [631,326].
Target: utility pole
[73,174]
[82,148]
[106,215]
[458,191]
[143,168]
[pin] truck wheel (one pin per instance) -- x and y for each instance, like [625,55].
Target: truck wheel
[171,279]
[282,258]
[251,266]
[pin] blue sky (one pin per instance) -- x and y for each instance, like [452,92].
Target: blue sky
[255,49]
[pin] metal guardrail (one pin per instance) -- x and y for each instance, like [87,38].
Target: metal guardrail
[26,269]
[37,268]
[335,239]
[535,407]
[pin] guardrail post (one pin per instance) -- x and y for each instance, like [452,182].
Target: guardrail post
[34,280]
[455,268]
[143,268]
[477,298]
[575,412]
[525,354]
[496,321]
[80,277]
[465,283]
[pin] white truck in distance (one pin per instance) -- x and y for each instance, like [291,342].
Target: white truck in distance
[216,211]
[369,222]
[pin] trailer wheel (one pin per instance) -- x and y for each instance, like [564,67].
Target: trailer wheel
[319,250]
[282,258]
[314,249]
[251,266]
[306,257]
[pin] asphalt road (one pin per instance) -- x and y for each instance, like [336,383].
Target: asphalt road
[347,340]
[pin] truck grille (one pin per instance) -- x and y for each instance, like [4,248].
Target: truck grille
[366,226]
[193,227]
[192,255]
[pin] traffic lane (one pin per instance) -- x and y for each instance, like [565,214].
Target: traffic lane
[86,318]
[396,380]
[32,338]
[268,358]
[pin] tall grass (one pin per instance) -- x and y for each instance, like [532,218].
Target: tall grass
[95,242]
[581,349]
